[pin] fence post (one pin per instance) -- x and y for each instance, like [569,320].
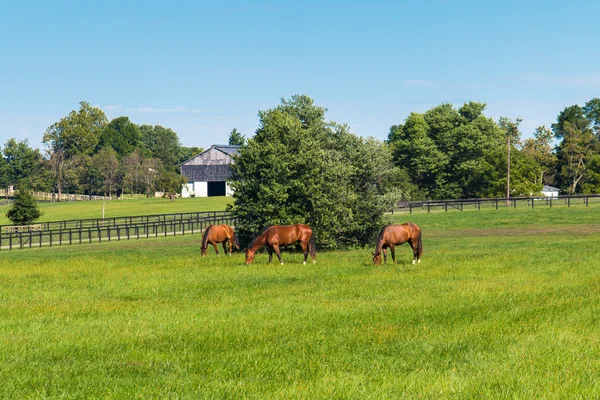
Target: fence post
[586,201]
[568,202]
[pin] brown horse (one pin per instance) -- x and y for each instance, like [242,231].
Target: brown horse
[395,235]
[283,235]
[219,234]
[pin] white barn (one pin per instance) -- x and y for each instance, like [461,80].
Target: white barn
[550,191]
[208,172]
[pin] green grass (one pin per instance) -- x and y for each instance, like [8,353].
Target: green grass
[504,305]
[118,208]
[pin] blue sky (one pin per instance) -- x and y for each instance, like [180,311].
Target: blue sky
[203,68]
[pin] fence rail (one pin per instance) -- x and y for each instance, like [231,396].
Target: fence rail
[462,204]
[126,220]
[143,227]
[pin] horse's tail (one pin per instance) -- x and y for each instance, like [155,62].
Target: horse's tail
[312,247]
[420,243]
[205,239]
[236,241]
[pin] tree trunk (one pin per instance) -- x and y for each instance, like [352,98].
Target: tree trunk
[59,166]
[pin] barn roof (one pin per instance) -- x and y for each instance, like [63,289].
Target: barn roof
[230,150]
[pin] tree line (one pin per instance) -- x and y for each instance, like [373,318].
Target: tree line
[443,153]
[301,168]
[85,153]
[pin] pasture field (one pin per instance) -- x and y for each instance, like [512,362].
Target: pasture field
[504,305]
[61,211]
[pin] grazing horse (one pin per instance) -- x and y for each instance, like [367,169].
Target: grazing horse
[283,235]
[394,235]
[219,234]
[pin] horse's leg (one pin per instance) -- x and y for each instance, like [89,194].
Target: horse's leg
[270,251]
[278,252]
[393,251]
[384,251]
[216,249]
[224,247]
[415,250]
[305,250]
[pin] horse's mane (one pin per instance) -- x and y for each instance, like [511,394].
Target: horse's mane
[205,236]
[257,236]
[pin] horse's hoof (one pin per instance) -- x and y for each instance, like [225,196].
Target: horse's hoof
[419,261]
[314,261]
[281,263]
[414,262]
[304,263]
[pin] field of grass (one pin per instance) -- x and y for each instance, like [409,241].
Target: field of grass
[118,208]
[504,305]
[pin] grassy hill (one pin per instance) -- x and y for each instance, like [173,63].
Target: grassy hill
[504,305]
[115,208]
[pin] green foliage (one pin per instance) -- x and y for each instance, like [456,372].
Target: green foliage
[107,165]
[163,144]
[236,138]
[450,153]
[576,127]
[122,135]
[298,168]
[24,209]
[170,182]
[20,162]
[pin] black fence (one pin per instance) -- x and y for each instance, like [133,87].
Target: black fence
[513,202]
[60,233]
[129,220]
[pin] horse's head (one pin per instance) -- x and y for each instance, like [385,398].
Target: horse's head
[376,258]
[249,256]
[203,251]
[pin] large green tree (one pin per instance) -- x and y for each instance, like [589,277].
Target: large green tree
[77,133]
[163,144]
[300,168]
[577,129]
[20,161]
[449,152]
[122,135]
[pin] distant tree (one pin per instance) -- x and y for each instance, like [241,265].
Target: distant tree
[170,182]
[540,149]
[24,209]
[77,133]
[451,153]
[122,135]
[236,138]
[21,160]
[578,146]
[107,164]
[163,144]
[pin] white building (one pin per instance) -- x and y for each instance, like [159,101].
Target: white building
[550,191]
[208,172]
